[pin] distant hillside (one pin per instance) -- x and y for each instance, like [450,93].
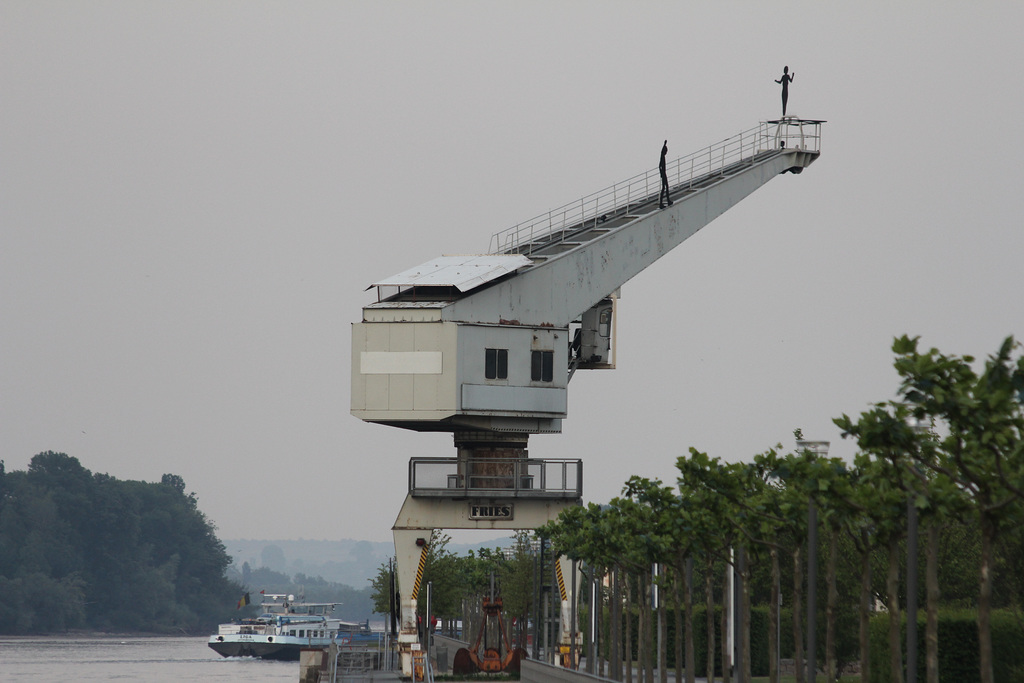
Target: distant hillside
[345,561]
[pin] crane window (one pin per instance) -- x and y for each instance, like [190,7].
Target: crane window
[542,366]
[496,364]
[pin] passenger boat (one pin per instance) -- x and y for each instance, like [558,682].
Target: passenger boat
[285,627]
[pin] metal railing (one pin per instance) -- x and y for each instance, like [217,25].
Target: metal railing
[683,174]
[496,477]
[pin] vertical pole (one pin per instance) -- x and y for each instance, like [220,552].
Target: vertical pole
[547,627]
[538,579]
[812,591]
[555,598]
[729,615]
[393,597]
[573,629]
[911,591]
[778,630]
[688,655]
[429,621]
[737,609]
[595,607]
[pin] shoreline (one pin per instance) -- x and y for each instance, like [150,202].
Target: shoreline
[102,634]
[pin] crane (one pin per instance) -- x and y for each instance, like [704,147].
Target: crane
[484,346]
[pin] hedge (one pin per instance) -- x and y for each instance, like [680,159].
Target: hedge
[958,647]
[759,624]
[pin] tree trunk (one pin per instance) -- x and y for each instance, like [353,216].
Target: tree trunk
[646,614]
[662,633]
[615,628]
[678,579]
[726,609]
[745,611]
[865,608]
[988,533]
[709,603]
[641,629]
[931,634]
[688,616]
[893,600]
[602,618]
[627,656]
[798,608]
[773,617]
[831,605]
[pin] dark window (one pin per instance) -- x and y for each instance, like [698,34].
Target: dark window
[496,364]
[542,366]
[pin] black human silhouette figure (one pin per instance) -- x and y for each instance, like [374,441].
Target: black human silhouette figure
[786,79]
[663,197]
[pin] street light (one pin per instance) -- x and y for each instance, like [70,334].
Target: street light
[919,426]
[820,449]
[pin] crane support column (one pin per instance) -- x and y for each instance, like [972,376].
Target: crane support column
[507,494]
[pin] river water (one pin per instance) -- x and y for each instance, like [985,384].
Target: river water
[60,659]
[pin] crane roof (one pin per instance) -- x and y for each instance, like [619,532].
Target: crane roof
[463,272]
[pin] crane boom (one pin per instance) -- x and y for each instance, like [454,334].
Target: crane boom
[574,266]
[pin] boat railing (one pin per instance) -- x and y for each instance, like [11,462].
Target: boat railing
[249,629]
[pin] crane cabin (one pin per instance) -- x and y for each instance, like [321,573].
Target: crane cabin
[418,365]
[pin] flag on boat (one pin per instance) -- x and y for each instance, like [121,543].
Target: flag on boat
[243,601]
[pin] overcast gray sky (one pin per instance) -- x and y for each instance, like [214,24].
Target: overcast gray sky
[194,196]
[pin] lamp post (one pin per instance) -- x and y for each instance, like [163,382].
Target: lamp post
[919,427]
[819,449]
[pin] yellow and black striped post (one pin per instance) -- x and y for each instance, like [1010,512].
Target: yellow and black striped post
[419,572]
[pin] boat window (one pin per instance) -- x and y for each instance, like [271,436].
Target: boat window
[302,633]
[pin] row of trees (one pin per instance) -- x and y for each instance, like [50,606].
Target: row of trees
[88,551]
[948,450]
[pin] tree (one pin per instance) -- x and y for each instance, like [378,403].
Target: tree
[667,542]
[982,452]
[143,553]
[713,516]
[784,514]
[883,479]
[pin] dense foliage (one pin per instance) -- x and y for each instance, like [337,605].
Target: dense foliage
[87,551]
[948,455]
[958,656]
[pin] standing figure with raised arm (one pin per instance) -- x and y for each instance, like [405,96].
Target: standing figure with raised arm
[663,197]
[786,79]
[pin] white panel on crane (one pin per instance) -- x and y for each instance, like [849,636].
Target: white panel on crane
[464,272]
[400,362]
